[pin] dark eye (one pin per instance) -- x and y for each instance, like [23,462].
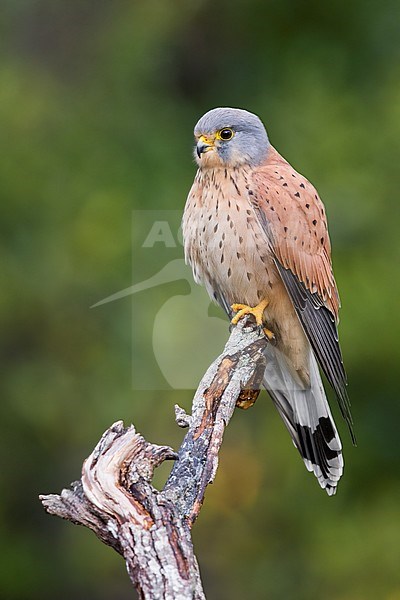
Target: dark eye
[226,134]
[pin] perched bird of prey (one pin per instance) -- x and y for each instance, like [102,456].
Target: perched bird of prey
[255,235]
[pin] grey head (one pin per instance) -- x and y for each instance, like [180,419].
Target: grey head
[230,137]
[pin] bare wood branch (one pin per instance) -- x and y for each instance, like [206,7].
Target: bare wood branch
[148,527]
[213,406]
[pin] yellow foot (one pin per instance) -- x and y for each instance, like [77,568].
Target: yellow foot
[257,312]
[243,309]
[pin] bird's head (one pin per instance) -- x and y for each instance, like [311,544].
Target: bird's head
[230,137]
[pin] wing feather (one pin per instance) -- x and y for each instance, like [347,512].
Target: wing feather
[296,231]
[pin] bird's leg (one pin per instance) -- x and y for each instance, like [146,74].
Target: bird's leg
[256,311]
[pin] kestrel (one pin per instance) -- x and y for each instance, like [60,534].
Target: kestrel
[255,235]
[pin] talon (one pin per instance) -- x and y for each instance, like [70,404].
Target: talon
[270,334]
[256,311]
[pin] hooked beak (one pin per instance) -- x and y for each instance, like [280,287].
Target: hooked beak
[204,145]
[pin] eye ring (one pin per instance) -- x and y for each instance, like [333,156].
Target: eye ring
[225,134]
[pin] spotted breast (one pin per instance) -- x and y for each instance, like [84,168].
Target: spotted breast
[229,255]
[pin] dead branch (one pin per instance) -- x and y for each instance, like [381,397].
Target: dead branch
[148,527]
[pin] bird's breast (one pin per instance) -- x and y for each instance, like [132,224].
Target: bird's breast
[224,242]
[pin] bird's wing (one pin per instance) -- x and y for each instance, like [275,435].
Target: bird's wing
[292,217]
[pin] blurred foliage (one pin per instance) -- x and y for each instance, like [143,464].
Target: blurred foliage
[97,104]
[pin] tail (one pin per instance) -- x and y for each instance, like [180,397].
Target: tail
[307,416]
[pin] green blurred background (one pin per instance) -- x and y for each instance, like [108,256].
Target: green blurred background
[97,104]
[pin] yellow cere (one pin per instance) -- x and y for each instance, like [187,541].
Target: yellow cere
[207,140]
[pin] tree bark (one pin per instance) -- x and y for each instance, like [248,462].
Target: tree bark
[148,527]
